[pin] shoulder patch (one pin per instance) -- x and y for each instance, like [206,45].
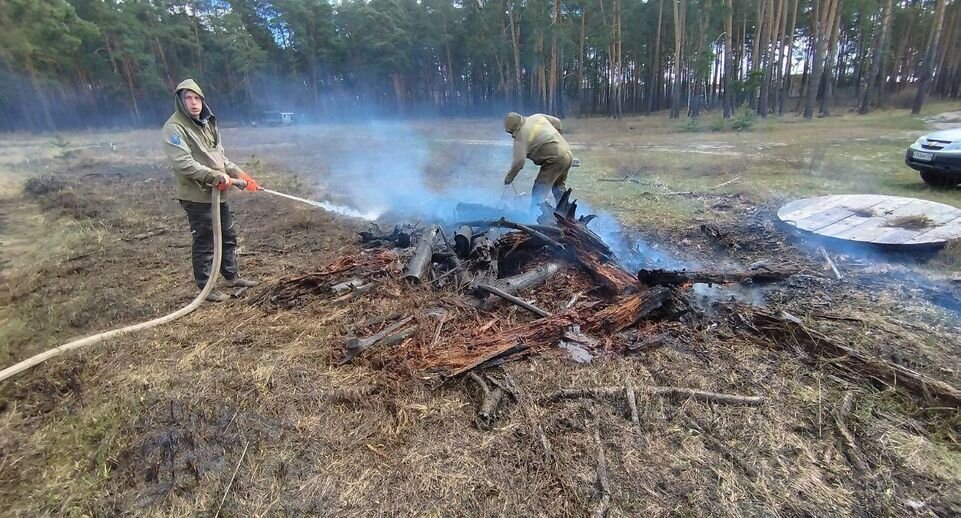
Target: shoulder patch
[175,139]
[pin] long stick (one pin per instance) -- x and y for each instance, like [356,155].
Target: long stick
[510,298]
[232,477]
[830,262]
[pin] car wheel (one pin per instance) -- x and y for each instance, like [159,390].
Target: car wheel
[935,179]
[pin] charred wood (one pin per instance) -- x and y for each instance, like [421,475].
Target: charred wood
[462,240]
[678,277]
[628,310]
[419,264]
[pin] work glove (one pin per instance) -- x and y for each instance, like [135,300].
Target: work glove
[252,184]
[222,183]
[509,179]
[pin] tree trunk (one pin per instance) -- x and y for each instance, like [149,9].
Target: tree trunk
[768,35]
[552,80]
[786,83]
[822,11]
[880,46]
[516,46]
[728,59]
[698,77]
[829,59]
[656,76]
[580,62]
[679,8]
[930,57]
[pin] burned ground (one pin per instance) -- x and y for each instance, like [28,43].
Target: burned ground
[242,404]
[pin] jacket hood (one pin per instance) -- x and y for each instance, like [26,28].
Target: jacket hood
[513,122]
[190,84]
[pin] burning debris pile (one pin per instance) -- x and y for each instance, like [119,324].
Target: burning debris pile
[449,300]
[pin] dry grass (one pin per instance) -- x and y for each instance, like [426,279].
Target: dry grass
[913,222]
[155,424]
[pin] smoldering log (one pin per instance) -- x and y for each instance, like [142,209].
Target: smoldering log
[420,262]
[596,257]
[375,237]
[514,284]
[628,310]
[462,240]
[678,277]
[785,331]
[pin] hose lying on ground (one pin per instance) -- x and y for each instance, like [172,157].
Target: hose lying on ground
[97,338]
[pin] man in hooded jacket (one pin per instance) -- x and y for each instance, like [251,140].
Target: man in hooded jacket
[538,137]
[194,150]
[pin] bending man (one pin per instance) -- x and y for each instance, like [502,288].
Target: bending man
[196,154]
[538,137]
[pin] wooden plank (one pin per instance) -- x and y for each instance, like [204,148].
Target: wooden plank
[949,230]
[824,219]
[868,218]
[800,209]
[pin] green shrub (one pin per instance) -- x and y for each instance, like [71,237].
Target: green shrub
[718,124]
[692,126]
[744,120]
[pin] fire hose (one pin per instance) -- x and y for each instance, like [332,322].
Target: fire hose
[100,337]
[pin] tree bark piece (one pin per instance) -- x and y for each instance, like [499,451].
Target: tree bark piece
[785,331]
[420,262]
[678,277]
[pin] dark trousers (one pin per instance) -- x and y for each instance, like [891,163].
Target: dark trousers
[202,250]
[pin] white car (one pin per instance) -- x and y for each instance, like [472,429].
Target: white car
[938,157]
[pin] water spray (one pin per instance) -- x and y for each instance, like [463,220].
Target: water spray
[331,207]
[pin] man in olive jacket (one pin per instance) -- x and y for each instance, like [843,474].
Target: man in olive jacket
[196,154]
[538,137]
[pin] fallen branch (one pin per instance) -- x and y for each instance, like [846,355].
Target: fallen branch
[145,235]
[355,345]
[723,184]
[603,483]
[847,438]
[787,330]
[232,477]
[830,262]
[490,400]
[675,393]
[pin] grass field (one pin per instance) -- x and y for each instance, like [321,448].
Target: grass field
[240,405]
